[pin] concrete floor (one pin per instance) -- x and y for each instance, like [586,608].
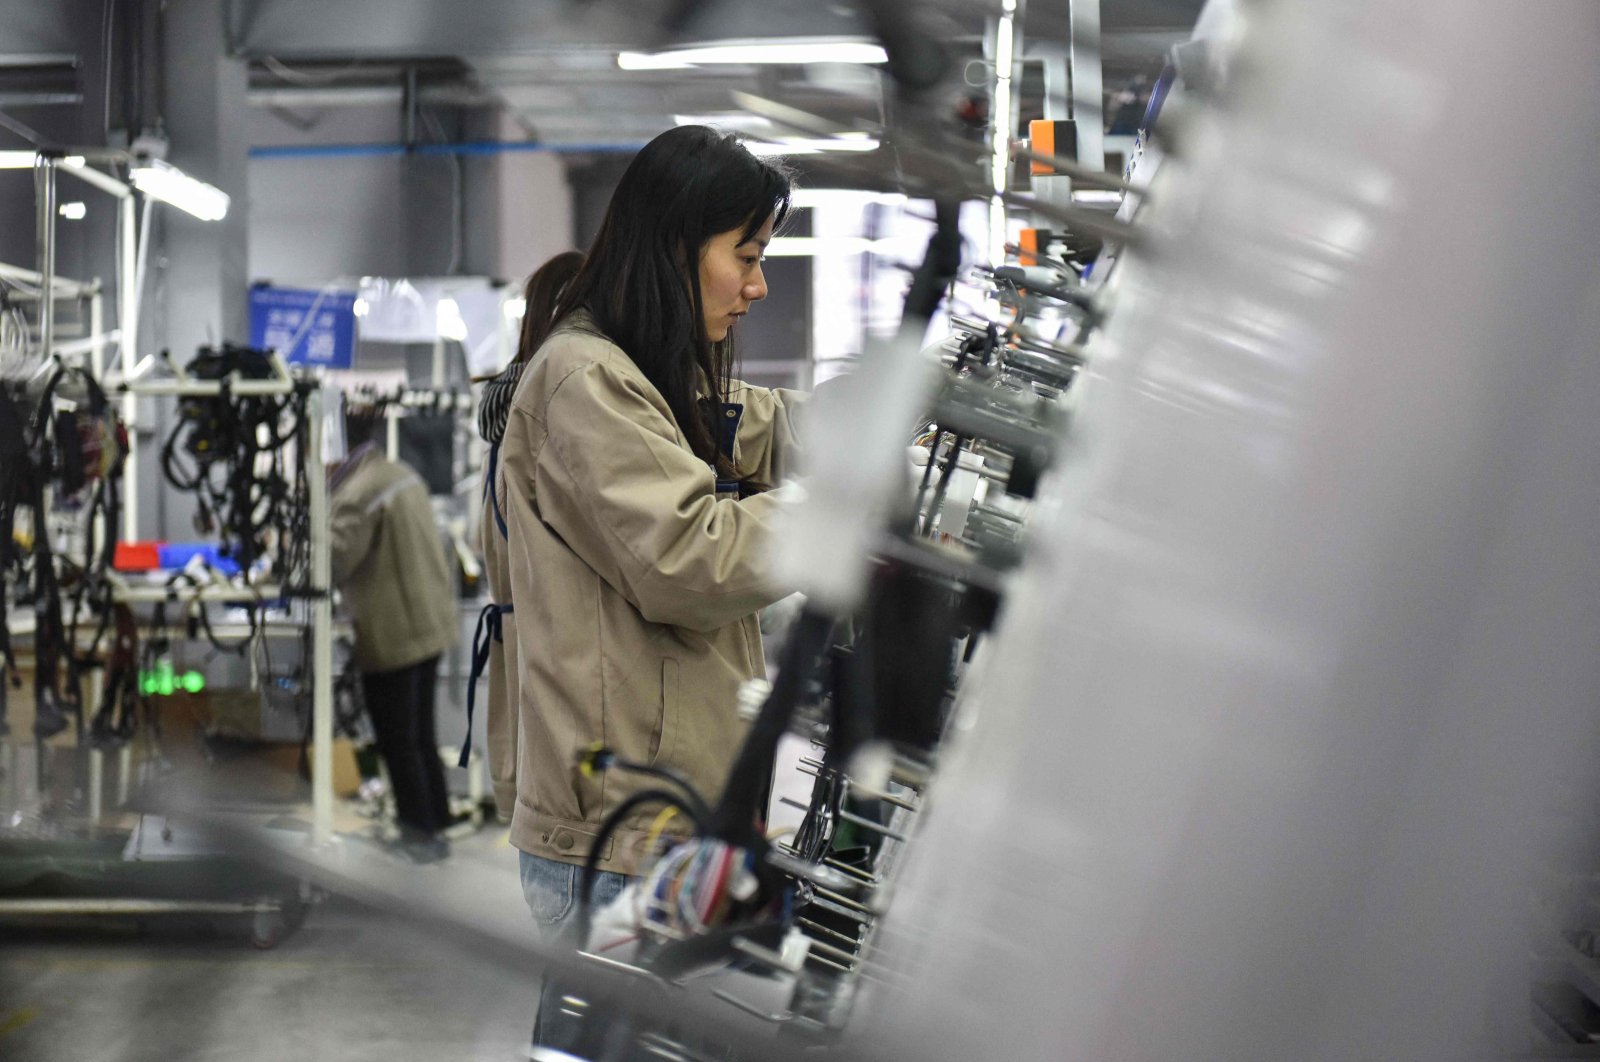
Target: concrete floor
[352,983]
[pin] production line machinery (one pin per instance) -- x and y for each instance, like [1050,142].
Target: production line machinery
[1288,589]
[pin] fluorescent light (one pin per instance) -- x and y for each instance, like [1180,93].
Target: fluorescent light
[756,53]
[24,160]
[447,319]
[823,246]
[514,308]
[74,211]
[734,120]
[1004,54]
[843,197]
[802,146]
[647,61]
[762,151]
[159,180]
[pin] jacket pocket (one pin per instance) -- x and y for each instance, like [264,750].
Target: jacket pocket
[667,735]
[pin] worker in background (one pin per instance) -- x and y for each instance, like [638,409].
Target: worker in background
[390,566]
[494,645]
[633,467]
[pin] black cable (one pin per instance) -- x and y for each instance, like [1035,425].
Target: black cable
[199,616]
[733,819]
[964,352]
[600,758]
[591,862]
[945,475]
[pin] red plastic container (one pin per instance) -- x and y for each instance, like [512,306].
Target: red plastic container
[137,557]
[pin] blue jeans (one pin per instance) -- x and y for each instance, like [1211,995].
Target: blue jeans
[551,891]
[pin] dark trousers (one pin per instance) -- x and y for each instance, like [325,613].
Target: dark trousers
[400,704]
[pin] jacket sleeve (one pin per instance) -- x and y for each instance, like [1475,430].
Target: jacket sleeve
[351,531]
[639,508]
[767,431]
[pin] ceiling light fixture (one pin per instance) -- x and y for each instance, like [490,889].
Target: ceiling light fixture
[1004,126]
[844,197]
[824,246]
[801,146]
[736,120]
[163,181]
[74,211]
[757,53]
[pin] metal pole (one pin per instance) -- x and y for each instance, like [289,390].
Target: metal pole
[13,775]
[90,905]
[97,774]
[128,325]
[124,770]
[44,184]
[64,285]
[97,339]
[1088,100]
[1006,37]
[321,630]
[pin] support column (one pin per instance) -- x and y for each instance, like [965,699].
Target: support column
[321,630]
[201,268]
[1088,99]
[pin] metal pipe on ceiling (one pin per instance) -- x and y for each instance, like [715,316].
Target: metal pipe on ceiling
[471,147]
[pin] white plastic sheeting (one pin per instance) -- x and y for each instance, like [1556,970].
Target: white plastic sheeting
[1263,757]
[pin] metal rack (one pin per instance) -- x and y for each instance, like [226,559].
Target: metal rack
[271,915]
[320,590]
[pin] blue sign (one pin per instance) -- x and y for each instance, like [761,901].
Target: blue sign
[306,327]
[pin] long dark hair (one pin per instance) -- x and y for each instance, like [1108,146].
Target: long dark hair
[641,280]
[541,296]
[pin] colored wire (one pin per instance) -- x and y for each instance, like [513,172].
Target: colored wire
[663,816]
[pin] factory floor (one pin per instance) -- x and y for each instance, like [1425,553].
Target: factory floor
[353,982]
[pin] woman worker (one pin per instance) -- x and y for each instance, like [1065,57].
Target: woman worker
[635,556]
[493,648]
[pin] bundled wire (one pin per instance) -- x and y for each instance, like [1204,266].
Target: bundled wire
[619,815]
[694,887]
[983,346]
[230,451]
[57,449]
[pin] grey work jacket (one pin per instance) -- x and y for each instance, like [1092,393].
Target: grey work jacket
[390,564]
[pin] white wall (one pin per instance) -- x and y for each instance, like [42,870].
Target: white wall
[316,219]
[535,208]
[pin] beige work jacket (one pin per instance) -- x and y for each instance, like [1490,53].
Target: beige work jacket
[501,710]
[635,588]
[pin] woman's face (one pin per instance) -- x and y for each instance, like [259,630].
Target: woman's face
[730,277]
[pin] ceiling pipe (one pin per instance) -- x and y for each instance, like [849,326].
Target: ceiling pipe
[470,147]
[371,96]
